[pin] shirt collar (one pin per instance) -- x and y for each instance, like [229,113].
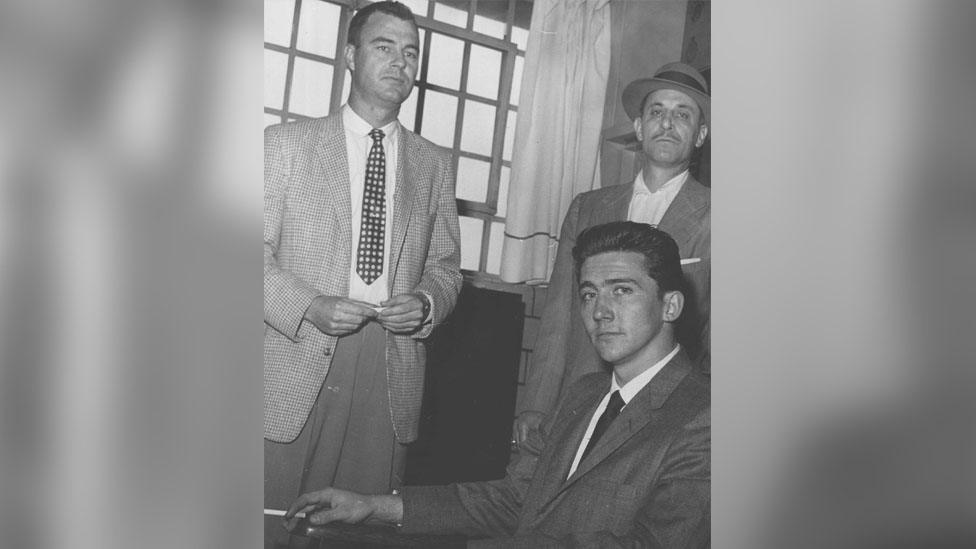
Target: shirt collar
[632,387]
[640,186]
[358,127]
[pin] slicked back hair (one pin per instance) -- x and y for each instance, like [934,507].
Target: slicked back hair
[661,257]
[395,9]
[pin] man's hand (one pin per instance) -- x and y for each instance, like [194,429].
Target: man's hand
[403,314]
[334,505]
[524,423]
[339,316]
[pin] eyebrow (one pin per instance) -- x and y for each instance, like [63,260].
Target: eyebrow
[385,40]
[678,106]
[621,281]
[608,282]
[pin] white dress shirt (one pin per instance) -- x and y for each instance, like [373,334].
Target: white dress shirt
[649,207]
[627,392]
[358,145]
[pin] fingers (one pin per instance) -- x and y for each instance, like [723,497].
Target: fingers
[309,501]
[525,423]
[402,314]
[401,304]
[326,516]
[401,322]
[290,523]
[349,510]
[523,432]
[346,316]
[352,311]
[406,327]
[339,316]
[306,503]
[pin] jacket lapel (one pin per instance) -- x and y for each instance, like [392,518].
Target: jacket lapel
[616,204]
[640,411]
[690,199]
[334,162]
[406,177]
[565,439]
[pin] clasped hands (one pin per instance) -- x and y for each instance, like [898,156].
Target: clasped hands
[339,316]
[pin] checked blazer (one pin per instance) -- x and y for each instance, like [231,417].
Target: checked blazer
[307,251]
[645,484]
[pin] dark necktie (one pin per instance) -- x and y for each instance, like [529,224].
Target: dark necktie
[612,411]
[372,230]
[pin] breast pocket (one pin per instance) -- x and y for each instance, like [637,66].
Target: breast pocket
[696,271]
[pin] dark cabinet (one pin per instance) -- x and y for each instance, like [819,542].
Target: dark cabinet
[470,389]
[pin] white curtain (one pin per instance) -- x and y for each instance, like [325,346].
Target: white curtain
[557,136]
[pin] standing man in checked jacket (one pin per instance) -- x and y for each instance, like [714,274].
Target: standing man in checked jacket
[361,263]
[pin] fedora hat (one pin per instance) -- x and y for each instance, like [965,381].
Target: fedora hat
[672,76]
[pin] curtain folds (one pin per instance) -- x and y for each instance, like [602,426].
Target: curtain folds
[557,136]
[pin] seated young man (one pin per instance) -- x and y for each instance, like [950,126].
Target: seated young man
[625,460]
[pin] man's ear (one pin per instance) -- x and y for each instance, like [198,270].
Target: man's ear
[350,55]
[674,302]
[638,129]
[702,134]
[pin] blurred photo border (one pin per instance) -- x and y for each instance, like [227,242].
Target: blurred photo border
[130,292]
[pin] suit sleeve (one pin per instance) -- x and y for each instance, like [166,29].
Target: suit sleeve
[546,376]
[286,296]
[441,279]
[474,509]
[677,512]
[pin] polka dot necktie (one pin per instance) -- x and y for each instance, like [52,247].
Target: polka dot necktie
[369,264]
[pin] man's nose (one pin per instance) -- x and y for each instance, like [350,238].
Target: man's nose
[602,310]
[667,120]
[399,60]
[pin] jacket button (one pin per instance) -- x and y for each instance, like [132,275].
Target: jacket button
[327,351]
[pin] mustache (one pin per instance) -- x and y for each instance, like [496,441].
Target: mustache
[667,134]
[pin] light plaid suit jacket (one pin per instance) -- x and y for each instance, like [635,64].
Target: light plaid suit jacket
[307,250]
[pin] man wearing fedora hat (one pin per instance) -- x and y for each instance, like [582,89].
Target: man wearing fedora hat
[670,111]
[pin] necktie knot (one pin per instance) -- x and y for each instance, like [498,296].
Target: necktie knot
[377,135]
[616,404]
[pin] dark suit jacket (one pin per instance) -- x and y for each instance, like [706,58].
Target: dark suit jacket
[563,352]
[307,252]
[646,484]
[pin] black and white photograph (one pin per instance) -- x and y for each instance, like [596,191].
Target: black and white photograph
[485,274]
[487,234]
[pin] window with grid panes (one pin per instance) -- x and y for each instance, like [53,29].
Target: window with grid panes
[465,97]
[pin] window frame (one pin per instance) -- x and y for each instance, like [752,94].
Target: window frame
[486,212]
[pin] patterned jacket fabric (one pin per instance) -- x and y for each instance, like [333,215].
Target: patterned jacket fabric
[307,251]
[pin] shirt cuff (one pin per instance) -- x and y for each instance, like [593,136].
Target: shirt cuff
[430,313]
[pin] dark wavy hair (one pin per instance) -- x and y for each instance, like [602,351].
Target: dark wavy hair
[395,9]
[661,257]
